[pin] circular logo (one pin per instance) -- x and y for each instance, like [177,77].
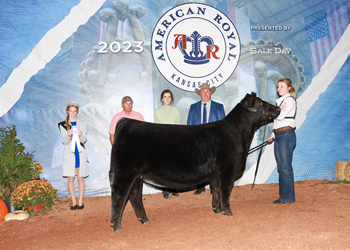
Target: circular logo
[195,43]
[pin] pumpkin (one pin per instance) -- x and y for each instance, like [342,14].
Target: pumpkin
[3,210]
[17,215]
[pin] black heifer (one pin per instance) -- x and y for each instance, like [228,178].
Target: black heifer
[180,157]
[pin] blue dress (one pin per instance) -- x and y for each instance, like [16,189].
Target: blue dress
[76,152]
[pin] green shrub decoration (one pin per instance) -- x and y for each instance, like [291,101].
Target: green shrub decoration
[16,165]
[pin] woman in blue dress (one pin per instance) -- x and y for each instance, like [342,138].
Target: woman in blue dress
[74,158]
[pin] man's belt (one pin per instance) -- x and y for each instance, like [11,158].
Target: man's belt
[282,129]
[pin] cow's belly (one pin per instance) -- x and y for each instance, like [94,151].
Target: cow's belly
[153,183]
[173,182]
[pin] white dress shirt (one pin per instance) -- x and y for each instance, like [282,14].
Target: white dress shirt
[288,109]
[208,110]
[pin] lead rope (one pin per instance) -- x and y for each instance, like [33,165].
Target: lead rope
[257,164]
[252,150]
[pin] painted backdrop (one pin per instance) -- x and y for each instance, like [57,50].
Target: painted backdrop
[49,56]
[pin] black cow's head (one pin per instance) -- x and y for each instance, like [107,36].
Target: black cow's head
[264,112]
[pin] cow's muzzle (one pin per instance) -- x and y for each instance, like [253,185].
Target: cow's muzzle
[273,114]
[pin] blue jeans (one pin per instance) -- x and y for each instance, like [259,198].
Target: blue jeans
[285,142]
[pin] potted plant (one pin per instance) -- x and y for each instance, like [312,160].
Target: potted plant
[34,195]
[16,165]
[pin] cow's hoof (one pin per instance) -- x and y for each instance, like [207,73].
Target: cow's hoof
[145,222]
[228,213]
[217,210]
[117,228]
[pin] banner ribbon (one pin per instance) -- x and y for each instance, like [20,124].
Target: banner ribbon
[75,139]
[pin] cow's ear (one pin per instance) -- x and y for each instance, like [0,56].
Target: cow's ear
[248,101]
[244,100]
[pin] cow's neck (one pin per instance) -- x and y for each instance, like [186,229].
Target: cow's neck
[241,119]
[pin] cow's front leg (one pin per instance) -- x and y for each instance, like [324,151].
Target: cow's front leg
[135,197]
[225,190]
[215,191]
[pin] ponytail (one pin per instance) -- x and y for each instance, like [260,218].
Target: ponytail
[67,122]
[292,91]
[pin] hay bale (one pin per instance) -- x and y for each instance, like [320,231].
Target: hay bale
[342,170]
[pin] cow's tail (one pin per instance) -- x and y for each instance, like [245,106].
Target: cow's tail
[119,126]
[111,176]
